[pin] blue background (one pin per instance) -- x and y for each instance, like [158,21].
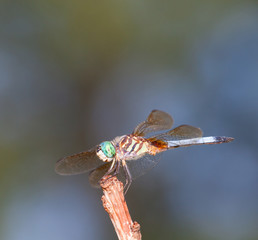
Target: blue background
[75,73]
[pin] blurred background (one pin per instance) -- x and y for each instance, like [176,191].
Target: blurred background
[75,73]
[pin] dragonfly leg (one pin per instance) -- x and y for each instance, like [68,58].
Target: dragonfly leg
[128,180]
[114,169]
[117,167]
[110,170]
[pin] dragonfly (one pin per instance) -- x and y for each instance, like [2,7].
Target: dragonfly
[130,156]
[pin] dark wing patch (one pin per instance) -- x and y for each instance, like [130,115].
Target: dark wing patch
[156,121]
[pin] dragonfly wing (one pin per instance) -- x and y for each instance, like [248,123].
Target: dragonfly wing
[156,121]
[137,168]
[98,173]
[78,163]
[184,136]
[142,165]
[178,133]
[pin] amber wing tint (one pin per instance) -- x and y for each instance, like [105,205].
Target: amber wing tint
[156,121]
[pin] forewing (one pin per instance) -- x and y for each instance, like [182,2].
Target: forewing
[156,121]
[178,133]
[78,163]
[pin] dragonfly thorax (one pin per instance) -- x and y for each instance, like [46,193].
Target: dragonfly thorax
[132,147]
[106,151]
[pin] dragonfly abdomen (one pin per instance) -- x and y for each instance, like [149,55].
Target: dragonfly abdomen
[157,146]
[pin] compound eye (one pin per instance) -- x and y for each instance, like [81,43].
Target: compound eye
[108,149]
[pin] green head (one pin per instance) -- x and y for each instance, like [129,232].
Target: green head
[106,151]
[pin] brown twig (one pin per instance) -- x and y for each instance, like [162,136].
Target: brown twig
[115,205]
